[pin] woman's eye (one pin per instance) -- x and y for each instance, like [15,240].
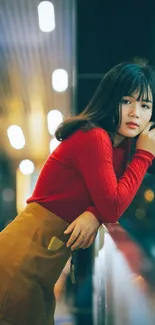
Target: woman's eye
[146,106]
[125,101]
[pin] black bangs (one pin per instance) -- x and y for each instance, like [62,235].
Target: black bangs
[137,83]
[144,91]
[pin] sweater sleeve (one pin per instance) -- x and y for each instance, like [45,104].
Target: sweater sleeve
[94,159]
[94,211]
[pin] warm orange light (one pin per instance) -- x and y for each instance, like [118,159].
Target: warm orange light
[149,195]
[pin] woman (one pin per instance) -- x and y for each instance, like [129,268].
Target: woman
[87,173]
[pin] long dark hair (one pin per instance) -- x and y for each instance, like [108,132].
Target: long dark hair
[103,109]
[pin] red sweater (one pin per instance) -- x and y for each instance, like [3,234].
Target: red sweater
[85,172]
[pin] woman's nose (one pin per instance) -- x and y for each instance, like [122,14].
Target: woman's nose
[135,110]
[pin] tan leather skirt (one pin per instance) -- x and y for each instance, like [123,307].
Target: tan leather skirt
[30,264]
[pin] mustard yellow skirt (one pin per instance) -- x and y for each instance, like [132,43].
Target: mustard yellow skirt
[30,266]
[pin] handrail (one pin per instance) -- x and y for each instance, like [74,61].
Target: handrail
[123,279]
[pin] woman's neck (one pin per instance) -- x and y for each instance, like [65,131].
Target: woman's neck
[118,138]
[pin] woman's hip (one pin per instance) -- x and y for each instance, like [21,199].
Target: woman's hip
[32,256]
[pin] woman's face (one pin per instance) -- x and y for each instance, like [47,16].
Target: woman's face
[136,114]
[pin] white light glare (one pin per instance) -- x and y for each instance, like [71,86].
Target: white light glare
[26,167]
[54,144]
[54,118]
[60,80]
[16,136]
[46,16]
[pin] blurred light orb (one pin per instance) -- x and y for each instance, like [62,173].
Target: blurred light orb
[54,118]
[8,195]
[149,195]
[26,167]
[60,80]
[16,136]
[140,214]
[46,16]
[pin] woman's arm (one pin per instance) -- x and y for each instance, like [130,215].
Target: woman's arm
[151,169]
[93,158]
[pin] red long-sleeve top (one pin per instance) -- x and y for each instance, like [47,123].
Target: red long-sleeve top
[86,172]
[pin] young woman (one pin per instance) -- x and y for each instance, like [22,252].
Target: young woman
[86,181]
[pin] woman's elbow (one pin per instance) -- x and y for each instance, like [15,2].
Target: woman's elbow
[112,217]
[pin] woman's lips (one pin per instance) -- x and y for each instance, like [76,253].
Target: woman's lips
[132,125]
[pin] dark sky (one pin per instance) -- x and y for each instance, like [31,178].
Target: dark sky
[110,32]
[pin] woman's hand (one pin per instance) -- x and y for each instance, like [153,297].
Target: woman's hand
[146,139]
[84,229]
